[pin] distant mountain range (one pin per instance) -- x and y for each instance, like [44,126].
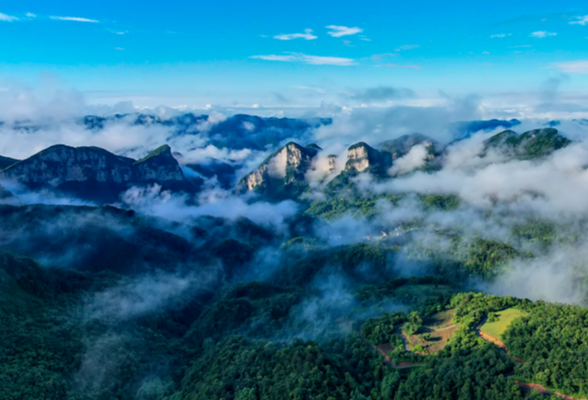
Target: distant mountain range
[95,174]
[236,132]
[283,174]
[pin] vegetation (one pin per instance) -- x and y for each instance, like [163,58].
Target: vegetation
[529,145]
[497,322]
[157,152]
[122,306]
[552,340]
[240,368]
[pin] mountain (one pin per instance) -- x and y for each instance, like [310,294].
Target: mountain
[235,132]
[361,157]
[94,174]
[401,146]
[252,132]
[529,145]
[282,173]
[6,162]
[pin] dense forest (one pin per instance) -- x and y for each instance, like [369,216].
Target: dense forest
[281,337]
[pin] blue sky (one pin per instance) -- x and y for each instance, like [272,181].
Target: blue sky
[269,52]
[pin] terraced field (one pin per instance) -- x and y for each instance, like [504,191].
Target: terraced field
[433,335]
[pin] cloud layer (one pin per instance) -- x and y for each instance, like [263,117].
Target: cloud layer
[307,59]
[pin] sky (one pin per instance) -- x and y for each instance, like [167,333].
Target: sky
[294,54]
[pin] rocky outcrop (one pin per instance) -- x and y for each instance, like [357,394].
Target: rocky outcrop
[361,156]
[95,174]
[159,166]
[332,166]
[285,167]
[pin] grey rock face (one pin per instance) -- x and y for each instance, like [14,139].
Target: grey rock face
[361,156]
[94,172]
[287,165]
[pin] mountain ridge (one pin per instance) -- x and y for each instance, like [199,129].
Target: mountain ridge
[93,173]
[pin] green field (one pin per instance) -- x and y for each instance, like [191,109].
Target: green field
[505,317]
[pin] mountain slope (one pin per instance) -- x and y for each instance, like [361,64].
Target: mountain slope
[90,238]
[533,144]
[6,162]
[401,146]
[95,174]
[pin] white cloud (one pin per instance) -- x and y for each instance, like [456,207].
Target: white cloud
[500,35]
[31,15]
[7,18]
[307,59]
[307,35]
[76,19]
[119,48]
[572,67]
[338,31]
[581,20]
[542,34]
[121,33]
[273,57]
[407,47]
[414,159]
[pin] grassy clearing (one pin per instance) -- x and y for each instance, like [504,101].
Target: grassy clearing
[496,328]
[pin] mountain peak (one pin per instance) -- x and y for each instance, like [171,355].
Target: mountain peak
[6,162]
[528,145]
[361,156]
[281,171]
[94,173]
[162,152]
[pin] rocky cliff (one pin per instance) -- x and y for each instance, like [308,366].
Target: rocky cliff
[95,174]
[332,160]
[361,156]
[282,170]
[159,166]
